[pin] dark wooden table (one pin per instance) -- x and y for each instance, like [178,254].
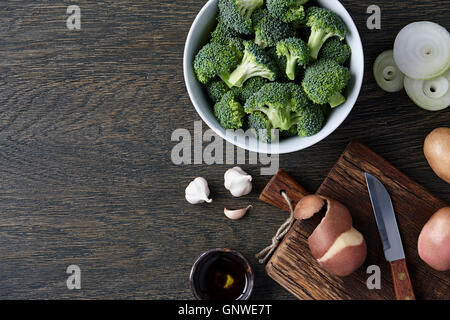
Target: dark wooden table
[86,176]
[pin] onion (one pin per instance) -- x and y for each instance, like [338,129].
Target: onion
[387,74]
[432,95]
[422,50]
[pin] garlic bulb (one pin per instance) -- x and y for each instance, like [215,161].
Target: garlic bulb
[238,182]
[198,192]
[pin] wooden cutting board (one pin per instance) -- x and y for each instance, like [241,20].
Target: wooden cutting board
[292,264]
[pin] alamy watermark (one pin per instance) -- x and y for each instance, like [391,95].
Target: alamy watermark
[374,280]
[374,21]
[190,148]
[73,22]
[218,152]
[74,280]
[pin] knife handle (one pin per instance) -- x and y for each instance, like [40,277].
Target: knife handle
[402,282]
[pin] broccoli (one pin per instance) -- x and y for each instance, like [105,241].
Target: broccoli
[324,81]
[296,52]
[229,112]
[260,125]
[236,14]
[335,50]
[222,32]
[324,25]
[298,97]
[272,100]
[255,63]
[268,30]
[215,60]
[310,121]
[227,37]
[307,116]
[287,10]
[216,90]
[250,87]
[289,133]
[281,63]
[287,108]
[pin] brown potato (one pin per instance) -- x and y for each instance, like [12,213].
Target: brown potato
[434,241]
[338,247]
[437,151]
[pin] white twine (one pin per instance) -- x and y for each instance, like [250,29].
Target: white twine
[266,252]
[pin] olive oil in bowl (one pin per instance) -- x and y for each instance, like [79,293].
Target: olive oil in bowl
[222,275]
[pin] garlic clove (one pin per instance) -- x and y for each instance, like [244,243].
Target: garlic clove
[198,191]
[238,182]
[236,214]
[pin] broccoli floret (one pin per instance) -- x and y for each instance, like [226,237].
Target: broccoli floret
[307,116]
[215,60]
[268,30]
[229,112]
[324,25]
[216,90]
[287,10]
[236,14]
[298,97]
[289,133]
[296,52]
[287,108]
[222,32]
[281,63]
[227,37]
[324,81]
[260,125]
[310,121]
[335,50]
[274,101]
[250,87]
[255,63]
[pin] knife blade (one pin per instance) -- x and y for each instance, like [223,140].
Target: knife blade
[386,221]
[390,237]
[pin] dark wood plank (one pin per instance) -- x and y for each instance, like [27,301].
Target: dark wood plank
[282,182]
[86,177]
[293,266]
[413,205]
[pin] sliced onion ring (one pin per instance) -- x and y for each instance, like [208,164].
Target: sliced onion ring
[422,50]
[386,73]
[432,95]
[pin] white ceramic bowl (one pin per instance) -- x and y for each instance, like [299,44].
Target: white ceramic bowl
[199,35]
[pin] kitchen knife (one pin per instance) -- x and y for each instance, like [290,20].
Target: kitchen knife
[390,237]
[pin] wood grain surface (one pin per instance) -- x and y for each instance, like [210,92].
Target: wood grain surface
[86,177]
[293,266]
[282,182]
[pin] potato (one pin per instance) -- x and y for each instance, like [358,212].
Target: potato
[434,241]
[437,151]
[308,207]
[338,247]
[346,255]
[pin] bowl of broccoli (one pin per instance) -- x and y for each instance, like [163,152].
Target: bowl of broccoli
[288,72]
